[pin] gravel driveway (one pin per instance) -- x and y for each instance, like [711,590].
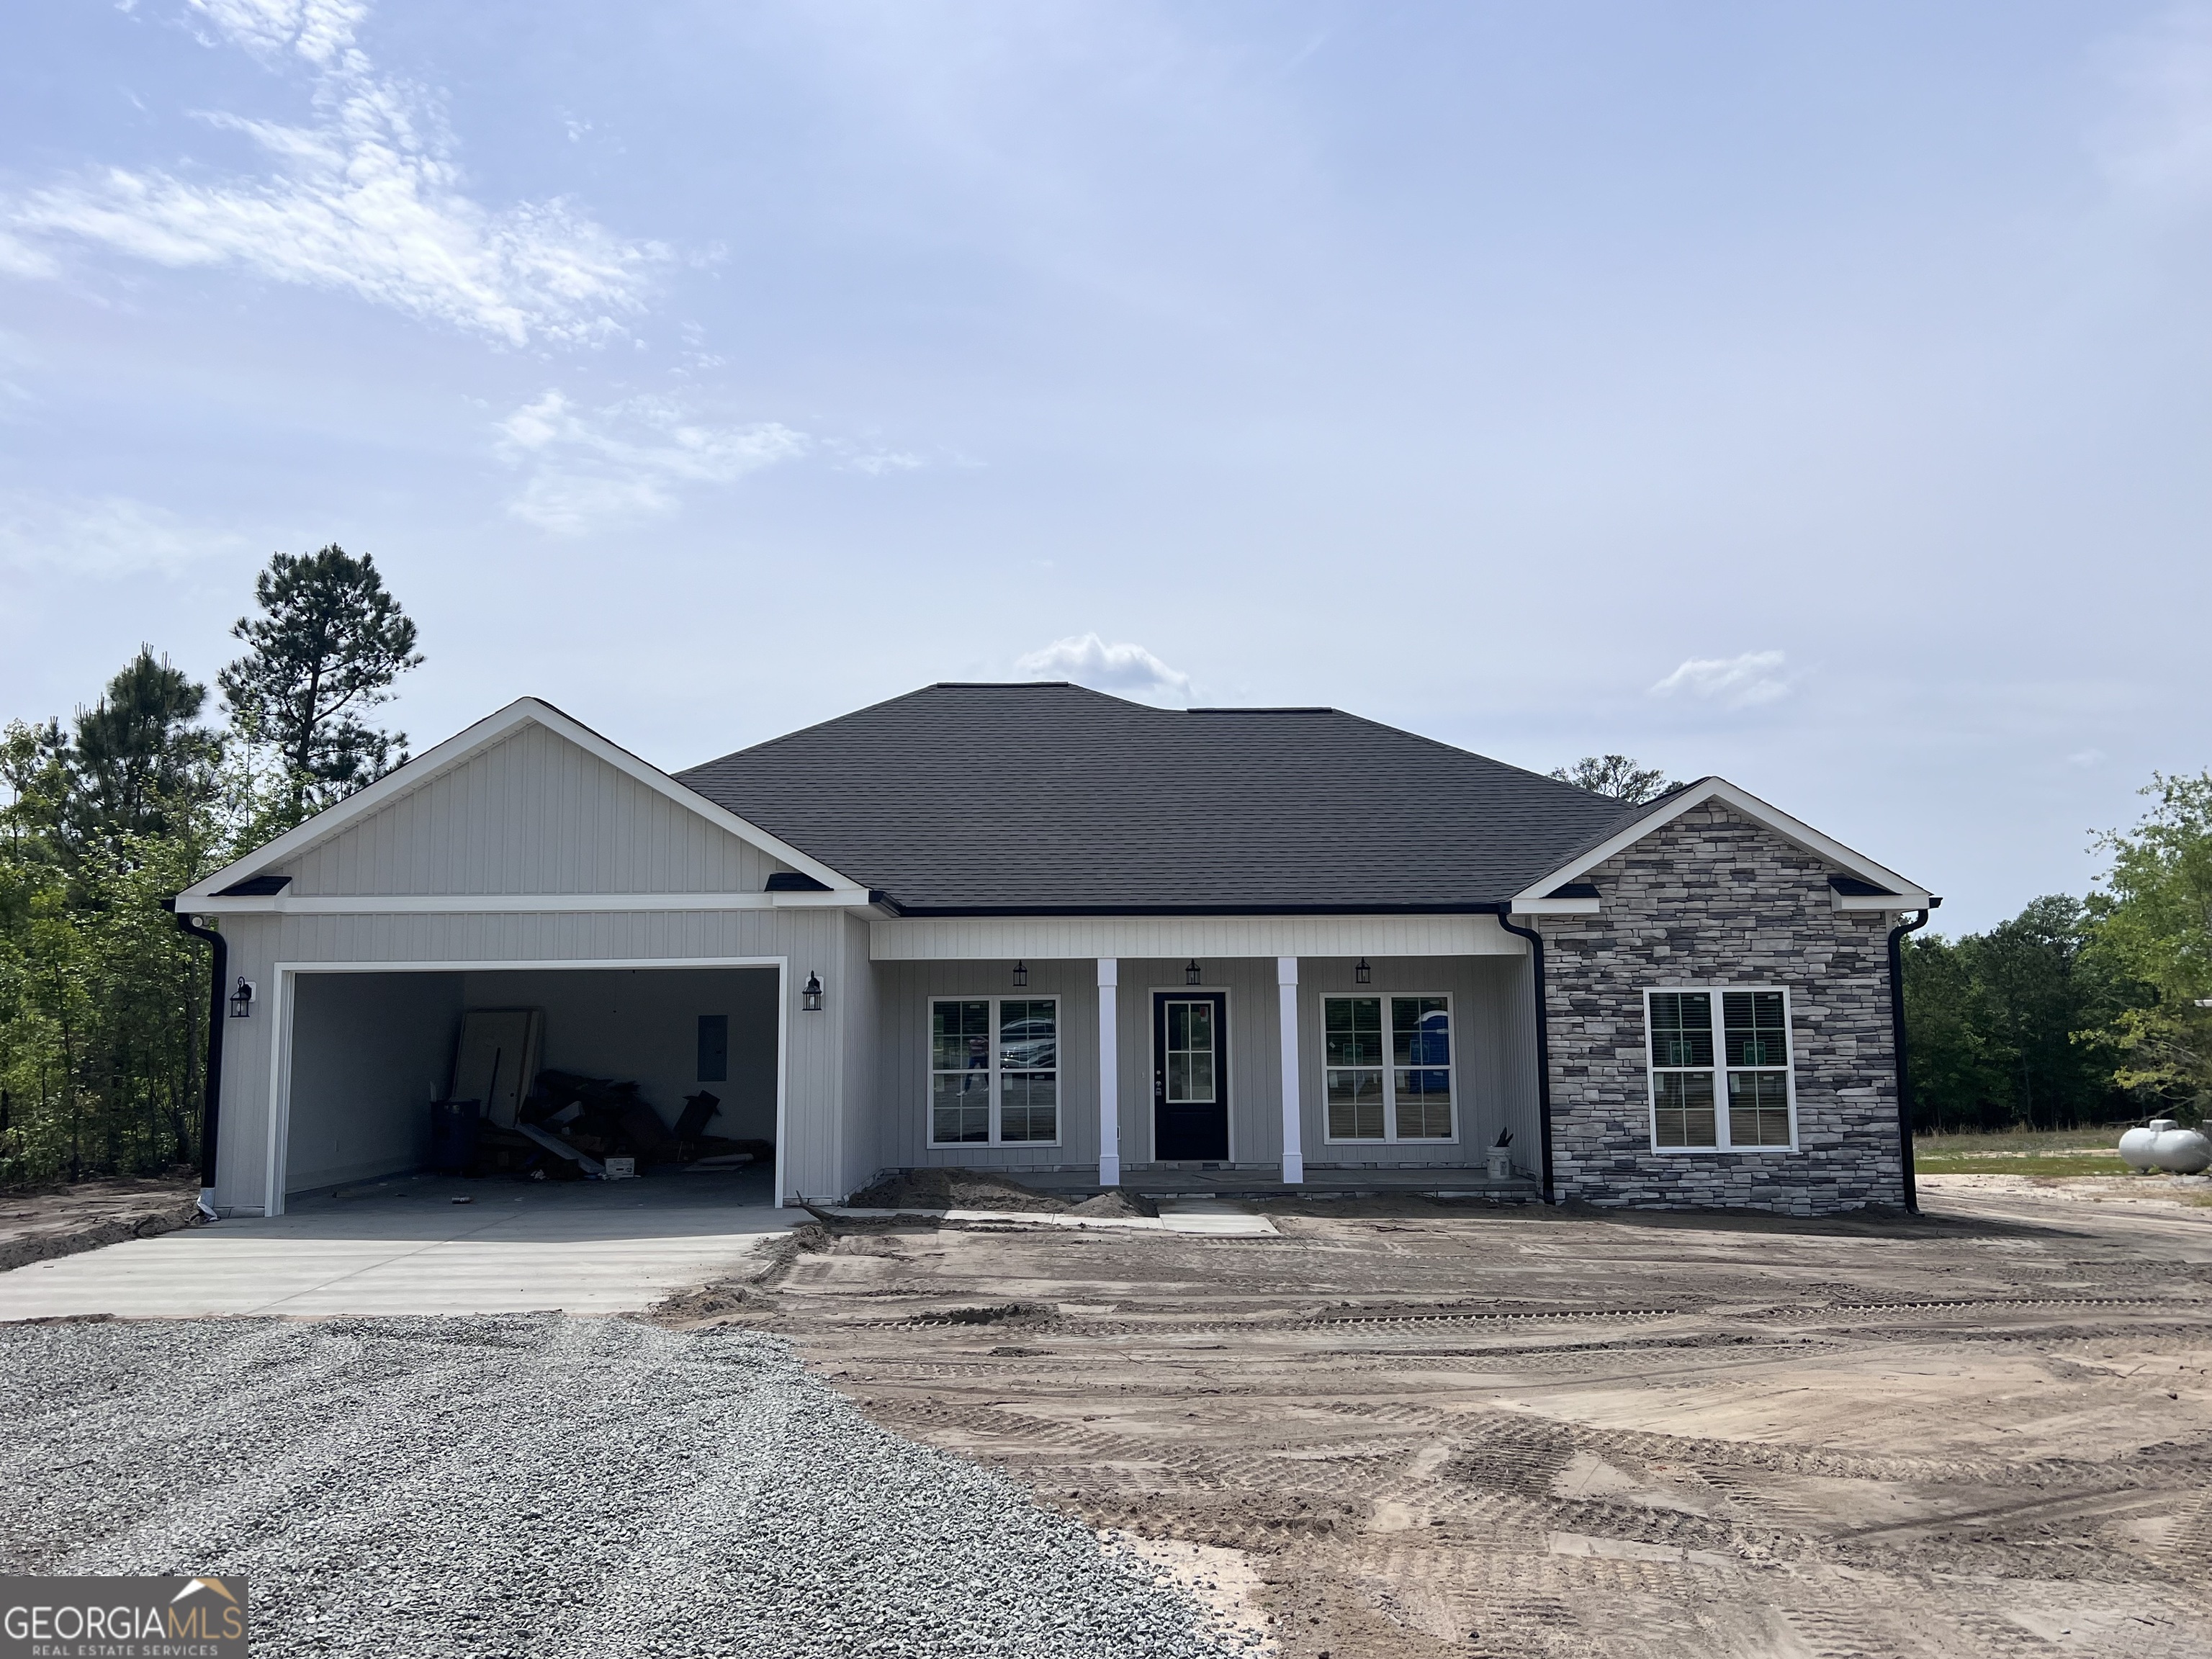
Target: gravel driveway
[531,1485]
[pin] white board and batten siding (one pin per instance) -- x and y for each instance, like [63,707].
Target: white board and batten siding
[531,816]
[1493,1042]
[533,813]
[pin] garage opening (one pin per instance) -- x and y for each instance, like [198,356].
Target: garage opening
[371,1053]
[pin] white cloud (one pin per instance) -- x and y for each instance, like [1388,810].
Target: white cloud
[1089,660]
[367,199]
[19,258]
[878,463]
[627,460]
[318,30]
[2086,758]
[1736,682]
[2158,145]
[108,538]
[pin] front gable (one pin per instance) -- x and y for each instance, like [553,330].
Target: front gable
[1854,882]
[525,803]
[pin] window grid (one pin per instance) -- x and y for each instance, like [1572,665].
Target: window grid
[994,1070]
[1387,1068]
[1750,1073]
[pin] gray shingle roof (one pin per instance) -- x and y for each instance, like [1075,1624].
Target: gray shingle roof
[1046,798]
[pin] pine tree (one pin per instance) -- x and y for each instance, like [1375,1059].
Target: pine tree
[137,758]
[326,647]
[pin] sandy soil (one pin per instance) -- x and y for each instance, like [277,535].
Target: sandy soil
[1405,1428]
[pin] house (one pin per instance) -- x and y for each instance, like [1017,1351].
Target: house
[1033,928]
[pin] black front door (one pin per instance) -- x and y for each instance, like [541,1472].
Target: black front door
[1190,1074]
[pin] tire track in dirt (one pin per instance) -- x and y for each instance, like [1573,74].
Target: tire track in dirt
[1479,1431]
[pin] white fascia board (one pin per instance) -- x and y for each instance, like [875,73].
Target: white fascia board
[1881,901]
[427,904]
[1903,894]
[473,740]
[1555,906]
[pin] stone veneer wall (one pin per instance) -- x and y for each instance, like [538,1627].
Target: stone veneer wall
[1714,899]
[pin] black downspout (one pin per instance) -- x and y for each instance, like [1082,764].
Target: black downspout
[211,1100]
[1897,1045]
[1543,1036]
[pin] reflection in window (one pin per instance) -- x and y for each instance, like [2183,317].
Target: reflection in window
[1387,1068]
[994,1069]
[1753,1060]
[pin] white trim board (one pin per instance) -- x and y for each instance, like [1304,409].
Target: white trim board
[1533,899]
[1175,938]
[460,747]
[417,904]
[279,1002]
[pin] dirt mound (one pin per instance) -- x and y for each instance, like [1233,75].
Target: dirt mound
[1114,1204]
[951,1190]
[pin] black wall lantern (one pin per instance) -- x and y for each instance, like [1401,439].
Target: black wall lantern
[1362,972]
[810,998]
[241,1000]
[1021,974]
[1190,974]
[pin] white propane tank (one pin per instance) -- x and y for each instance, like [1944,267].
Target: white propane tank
[2181,1151]
[2136,1145]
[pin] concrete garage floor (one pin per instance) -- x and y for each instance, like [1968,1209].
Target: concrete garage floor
[403,1246]
[1403,1429]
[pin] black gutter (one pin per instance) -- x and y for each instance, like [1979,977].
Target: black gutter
[211,1099]
[1897,1045]
[1504,914]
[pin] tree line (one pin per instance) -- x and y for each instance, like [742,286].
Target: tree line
[103,999]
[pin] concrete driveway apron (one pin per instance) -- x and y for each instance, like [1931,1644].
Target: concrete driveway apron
[405,1246]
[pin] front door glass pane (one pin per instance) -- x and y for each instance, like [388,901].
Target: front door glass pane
[1190,1054]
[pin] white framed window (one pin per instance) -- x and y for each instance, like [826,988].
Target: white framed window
[1387,1068]
[994,1071]
[1721,1077]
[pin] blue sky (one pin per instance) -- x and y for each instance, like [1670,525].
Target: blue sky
[1816,395]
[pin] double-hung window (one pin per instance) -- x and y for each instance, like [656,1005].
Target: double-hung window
[1717,1090]
[994,1069]
[1387,1062]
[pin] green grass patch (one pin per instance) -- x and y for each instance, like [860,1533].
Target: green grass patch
[2102,1138]
[2022,1163]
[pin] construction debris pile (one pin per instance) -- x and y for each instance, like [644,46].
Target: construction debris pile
[573,1127]
[987,1189]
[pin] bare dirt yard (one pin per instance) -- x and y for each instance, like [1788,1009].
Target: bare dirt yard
[38,1223]
[1412,1428]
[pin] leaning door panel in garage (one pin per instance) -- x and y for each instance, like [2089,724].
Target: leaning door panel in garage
[1190,1074]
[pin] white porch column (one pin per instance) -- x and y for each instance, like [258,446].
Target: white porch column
[1286,990]
[1109,1074]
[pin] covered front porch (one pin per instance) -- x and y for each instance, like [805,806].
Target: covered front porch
[1347,1063]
